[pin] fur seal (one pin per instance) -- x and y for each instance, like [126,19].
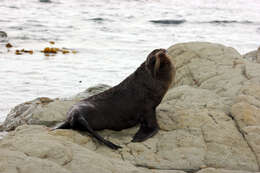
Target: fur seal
[131,102]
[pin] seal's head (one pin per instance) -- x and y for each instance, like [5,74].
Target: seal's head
[159,64]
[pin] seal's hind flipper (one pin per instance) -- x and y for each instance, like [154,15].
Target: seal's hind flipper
[64,125]
[96,135]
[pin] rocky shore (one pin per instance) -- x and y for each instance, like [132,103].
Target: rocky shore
[209,123]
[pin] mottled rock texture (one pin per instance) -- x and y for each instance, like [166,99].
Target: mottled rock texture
[253,56]
[209,123]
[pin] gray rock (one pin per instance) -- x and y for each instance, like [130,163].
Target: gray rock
[184,108]
[209,66]
[18,162]
[246,112]
[253,56]
[91,91]
[2,134]
[31,148]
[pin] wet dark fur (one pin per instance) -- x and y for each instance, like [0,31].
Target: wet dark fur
[129,103]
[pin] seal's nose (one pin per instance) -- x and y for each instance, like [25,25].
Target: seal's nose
[162,53]
[163,50]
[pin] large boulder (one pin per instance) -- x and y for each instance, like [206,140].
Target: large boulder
[235,82]
[209,122]
[208,135]
[34,148]
[214,67]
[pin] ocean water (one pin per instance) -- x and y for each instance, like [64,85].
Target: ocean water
[112,38]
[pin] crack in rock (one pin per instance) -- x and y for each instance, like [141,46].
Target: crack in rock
[244,138]
[167,169]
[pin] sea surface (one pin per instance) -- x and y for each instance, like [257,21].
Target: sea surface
[111,37]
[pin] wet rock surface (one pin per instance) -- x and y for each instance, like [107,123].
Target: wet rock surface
[209,122]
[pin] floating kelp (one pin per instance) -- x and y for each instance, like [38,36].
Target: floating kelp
[27,51]
[50,50]
[17,52]
[47,50]
[54,50]
[8,45]
[20,52]
[65,51]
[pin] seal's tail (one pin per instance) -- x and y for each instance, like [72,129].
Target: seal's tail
[96,135]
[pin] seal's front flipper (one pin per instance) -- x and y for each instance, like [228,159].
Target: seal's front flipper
[144,133]
[149,127]
[86,125]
